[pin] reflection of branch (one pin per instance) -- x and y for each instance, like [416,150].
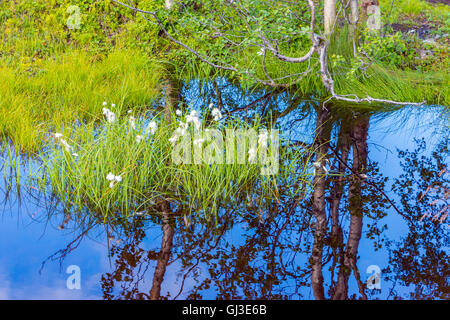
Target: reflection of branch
[62,253]
[211,247]
[358,176]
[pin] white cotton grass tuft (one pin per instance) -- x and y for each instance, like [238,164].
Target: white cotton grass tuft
[105,103]
[110,116]
[151,127]
[199,141]
[179,132]
[216,114]
[132,122]
[193,117]
[113,179]
[65,145]
[251,155]
[178,112]
[110,176]
[173,139]
[139,138]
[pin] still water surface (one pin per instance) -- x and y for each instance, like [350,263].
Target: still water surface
[230,260]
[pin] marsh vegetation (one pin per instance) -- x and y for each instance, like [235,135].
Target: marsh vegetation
[93,103]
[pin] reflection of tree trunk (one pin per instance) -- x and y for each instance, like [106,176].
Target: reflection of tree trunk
[172,94]
[343,147]
[164,255]
[360,152]
[172,97]
[323,126]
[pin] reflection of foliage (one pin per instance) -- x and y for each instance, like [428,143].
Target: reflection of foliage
[422,260]
[129,256]
[256,252]
[266,261]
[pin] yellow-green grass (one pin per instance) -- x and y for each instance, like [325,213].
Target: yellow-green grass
[414,8]
[47,94]
[51,76]
[78,175]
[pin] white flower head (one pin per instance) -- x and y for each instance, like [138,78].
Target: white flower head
[151,128]
[178,112]
[110,116]
[199,141]
[65,145]
[193,117]
[173,139]
[105,103]
[139,138]
[113,178]
[110,176]
[216,114]
[132,121]
[113,105]
[180,131]
[58,135]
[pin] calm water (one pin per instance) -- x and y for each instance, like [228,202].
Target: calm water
[242,257]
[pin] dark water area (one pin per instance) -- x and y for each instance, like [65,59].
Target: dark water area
[249,253]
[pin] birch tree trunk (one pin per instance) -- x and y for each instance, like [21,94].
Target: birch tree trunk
[329,14]
[354,16]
